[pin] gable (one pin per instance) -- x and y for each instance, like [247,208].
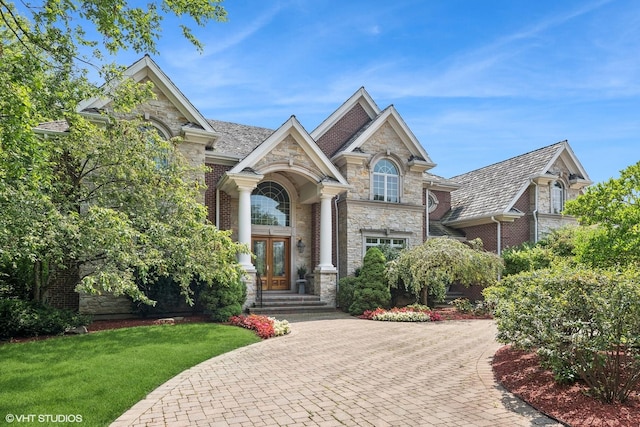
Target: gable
[355,113]
[390,118]
[343,130]
[290,148]
[145,69]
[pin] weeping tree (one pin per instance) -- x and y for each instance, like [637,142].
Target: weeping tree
[425,271]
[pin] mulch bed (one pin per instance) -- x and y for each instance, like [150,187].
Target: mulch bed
[101,325]
[520,373]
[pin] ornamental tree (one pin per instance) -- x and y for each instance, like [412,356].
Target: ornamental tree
[426,270]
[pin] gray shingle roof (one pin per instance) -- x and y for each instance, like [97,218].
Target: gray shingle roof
[56,126]
[236,139]
[494,188]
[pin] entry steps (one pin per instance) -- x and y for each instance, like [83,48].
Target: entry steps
[287,302]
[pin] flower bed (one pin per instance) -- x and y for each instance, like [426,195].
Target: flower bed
[404,314]
[265,327]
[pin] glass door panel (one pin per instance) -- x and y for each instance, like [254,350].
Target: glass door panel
[271,261]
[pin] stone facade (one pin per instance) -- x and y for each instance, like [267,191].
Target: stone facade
[106,306]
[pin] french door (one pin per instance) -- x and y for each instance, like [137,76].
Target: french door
[272,261]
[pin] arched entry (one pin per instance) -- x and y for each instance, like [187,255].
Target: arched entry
[271,211]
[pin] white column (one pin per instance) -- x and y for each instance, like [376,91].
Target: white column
[326,233]
[244,225]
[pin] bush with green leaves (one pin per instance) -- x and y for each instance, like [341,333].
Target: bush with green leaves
[426,270]
[371,289]
[168,297]
[223,301]
[583,323]
[346,287]
[20,318]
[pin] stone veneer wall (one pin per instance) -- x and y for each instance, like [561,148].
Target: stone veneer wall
[105,306]
[361,217]
[372,219]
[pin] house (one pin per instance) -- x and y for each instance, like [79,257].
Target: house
[361,178]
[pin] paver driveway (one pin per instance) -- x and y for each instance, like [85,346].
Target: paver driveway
[343,371]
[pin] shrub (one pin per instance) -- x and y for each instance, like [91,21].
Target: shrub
[20,318]
[167,294]
[583,323]
[371,290]
[224,301]
[526,257]
[346,288]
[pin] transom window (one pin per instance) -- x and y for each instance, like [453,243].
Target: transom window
[386,182]
[557,197]
[270,205]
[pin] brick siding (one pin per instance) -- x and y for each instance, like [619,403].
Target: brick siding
[212,175]
[343,130]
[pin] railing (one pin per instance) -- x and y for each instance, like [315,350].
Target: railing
[258,302]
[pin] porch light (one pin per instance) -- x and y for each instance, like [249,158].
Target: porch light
[300,245]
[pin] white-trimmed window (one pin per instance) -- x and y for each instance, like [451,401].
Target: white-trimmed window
[371,242]
[432,202]
[557,197]
[386,181]
[270,205]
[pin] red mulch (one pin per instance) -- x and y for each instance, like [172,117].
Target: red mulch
[101,325]
[520,373]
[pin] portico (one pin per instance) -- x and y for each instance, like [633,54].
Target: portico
[283,193]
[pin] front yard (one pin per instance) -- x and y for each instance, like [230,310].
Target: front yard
[94,378]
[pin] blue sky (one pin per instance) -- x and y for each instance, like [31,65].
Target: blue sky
[476,81]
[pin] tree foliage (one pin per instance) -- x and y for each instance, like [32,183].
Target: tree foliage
[612,210]
[103,199]
[557,246]
[371,290]
[426,270]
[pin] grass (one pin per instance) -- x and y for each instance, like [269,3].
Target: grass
[101,375]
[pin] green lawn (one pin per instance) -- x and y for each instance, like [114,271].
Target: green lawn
[100,375]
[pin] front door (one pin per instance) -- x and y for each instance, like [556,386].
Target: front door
[272,262]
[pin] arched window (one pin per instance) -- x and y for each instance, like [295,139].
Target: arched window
[557,197]
[157,143]
[270,205]
[386,181]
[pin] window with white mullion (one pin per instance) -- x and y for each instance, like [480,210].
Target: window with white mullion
[386,182]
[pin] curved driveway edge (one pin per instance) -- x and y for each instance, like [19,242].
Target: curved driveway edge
[343,371]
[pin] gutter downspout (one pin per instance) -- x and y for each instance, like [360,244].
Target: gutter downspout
[426,205]
[535,212]
[218,208]
[499,242]
[335,203]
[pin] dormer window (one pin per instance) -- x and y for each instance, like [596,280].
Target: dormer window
[386,181]
[557,197]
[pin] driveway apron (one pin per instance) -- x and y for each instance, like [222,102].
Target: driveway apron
[343,371]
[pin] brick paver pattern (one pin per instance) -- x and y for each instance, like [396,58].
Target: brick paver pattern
[345,371]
